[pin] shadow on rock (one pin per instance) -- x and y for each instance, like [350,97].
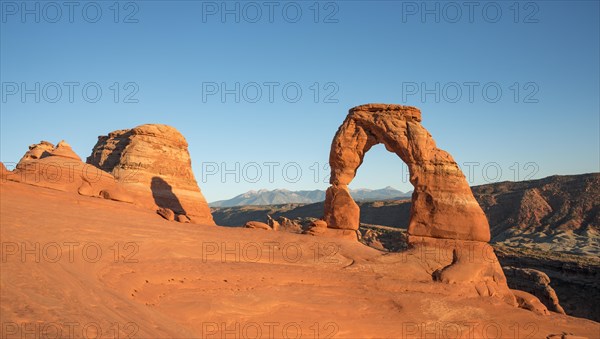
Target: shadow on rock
[164,197]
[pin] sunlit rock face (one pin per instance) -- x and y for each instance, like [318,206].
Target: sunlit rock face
[443,205]
[153,160]
[445,218]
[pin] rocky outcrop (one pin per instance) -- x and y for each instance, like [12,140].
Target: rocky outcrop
[166,213]
[444,216]
[316,227]
[38,151]
[471,265]
[274,224]
[61,168]
[182,218]
[534,282]
[153,161]
[574,278]
[258,225]
[530,302]
[3,171]
[442,203]
[341,211]
[64,150]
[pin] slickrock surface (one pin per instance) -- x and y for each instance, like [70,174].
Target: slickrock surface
[157,279]
[153,161]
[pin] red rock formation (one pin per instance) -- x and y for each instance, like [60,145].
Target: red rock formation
[3,171]
[61,168]
[472,265]
[153,161]
[341,212]
[38,151]
[534,282]
[64,150]
[445,218]
[258,225]
[530,302]
[442,203]
[166,213]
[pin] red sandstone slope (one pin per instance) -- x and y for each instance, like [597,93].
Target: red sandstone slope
[160,279]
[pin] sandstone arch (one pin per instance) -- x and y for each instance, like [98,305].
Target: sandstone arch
[443,205]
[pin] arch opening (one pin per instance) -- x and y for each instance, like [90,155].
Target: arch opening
[382,189]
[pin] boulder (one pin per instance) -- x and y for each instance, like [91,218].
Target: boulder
[316,227]
[182,218]
[258,225]
[318,223]
[153,161]
[530,302]
[288,225]
[166,213]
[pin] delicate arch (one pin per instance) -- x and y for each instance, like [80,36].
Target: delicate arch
[443,205]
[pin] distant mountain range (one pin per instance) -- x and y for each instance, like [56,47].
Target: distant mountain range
[283,196]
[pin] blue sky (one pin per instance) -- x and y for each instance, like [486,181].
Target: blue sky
[170,60]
